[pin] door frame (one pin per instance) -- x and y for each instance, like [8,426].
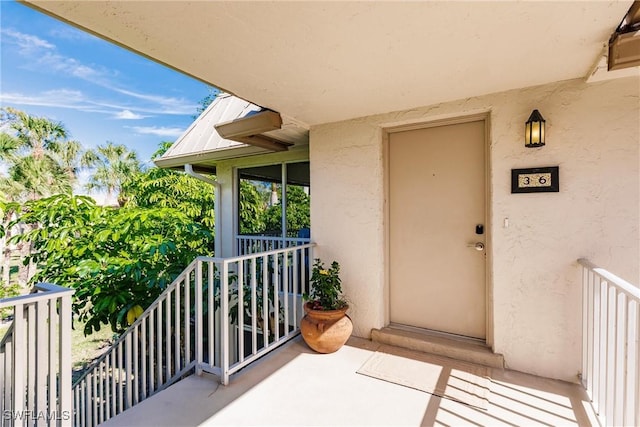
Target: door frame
[429,123]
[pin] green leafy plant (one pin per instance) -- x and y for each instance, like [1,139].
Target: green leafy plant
[164,188]
[115,259]
[7,291]
[326,287]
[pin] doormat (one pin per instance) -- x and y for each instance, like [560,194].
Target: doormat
[440,376]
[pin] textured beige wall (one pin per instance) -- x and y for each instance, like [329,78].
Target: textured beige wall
[592,134]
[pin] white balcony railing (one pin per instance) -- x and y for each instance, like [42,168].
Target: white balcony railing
[35,359]
[218,316]
[250,244]
[610,348]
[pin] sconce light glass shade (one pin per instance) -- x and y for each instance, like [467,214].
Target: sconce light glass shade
[534,130]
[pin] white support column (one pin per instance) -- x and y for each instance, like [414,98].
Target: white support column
[283,200]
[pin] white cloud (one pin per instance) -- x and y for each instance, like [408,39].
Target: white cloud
[167,105]
[43,55]
[62,98]
[128,115]
[27,43]
[70,33]
[71,66]
[74,100]
[159,131]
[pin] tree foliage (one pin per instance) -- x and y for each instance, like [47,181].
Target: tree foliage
[113,165]
[298,211]
[206,101]
[251,210]
[40,160]
[170,189]
[37,135]
[166,188]
[117,259]
[114,258]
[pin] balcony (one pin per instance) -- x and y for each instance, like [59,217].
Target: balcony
[295,386]
[194,359]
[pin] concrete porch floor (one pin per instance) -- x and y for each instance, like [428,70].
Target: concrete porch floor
[295,386]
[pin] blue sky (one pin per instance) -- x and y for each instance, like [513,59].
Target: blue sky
[99,91]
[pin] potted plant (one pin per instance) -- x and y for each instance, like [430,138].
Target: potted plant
[325,327]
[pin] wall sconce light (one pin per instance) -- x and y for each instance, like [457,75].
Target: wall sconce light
[534,130]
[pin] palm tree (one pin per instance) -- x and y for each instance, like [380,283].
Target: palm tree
[67,155]
[8,145]
[39,177]
[5,217]
[37,134]
[40,160]
[113,165]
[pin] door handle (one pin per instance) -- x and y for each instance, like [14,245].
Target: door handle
[478,246]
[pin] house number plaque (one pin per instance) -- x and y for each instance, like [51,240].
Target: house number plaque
[535,180]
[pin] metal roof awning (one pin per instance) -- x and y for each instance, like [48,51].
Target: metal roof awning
[231,128]
[624,44]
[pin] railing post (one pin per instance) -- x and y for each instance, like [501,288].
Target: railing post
[224,306]
[66,401]
[265,299]
[210,313]
[239,346]
[54,345]
[18,359]
[254,307]
[585,377]
[42,363]
[198,314]
[633,359]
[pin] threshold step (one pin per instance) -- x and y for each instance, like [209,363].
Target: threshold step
[459,348]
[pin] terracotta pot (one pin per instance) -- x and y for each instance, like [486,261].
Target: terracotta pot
[325,331]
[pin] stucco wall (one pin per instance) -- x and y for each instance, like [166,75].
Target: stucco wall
[592,135]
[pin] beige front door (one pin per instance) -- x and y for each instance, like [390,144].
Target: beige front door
[436,220]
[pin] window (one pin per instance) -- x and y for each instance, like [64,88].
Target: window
[261,211]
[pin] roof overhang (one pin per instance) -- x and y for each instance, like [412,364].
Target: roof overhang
[320,62]
[225,128]
[624,44]
[250,129]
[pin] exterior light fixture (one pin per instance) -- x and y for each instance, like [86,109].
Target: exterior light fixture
[534,130]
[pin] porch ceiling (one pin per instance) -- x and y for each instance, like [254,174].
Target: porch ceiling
[328,61]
